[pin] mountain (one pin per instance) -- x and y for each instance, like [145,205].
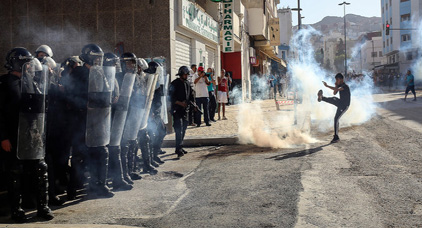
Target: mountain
[356,25]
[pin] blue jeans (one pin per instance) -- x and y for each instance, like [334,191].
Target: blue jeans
[202,103]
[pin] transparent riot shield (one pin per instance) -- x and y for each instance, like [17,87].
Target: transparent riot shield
[31,128]
[152,80]
[121,109]
[136,108]
[101,85]
[164,115]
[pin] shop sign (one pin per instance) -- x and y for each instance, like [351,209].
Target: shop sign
[195,19]
[227,26]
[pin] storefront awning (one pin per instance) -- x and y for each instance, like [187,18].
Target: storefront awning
[272,56]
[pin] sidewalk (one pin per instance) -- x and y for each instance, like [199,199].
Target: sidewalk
[222,132]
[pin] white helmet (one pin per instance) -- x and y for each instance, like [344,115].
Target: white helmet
[46,49]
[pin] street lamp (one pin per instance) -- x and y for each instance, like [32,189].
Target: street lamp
[345,50]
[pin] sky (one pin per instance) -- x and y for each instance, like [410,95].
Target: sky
[315,10]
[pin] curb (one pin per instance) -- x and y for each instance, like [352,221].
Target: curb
[198,142]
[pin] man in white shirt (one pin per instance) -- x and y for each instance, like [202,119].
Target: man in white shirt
[202,99]
[190,79]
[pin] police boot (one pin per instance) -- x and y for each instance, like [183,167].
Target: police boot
[144,145]
[15,196]
[125,169]
[101,188]
[115,170]
[132,160]
[43,210]
[155,157]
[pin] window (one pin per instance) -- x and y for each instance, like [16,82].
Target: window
[391,41]
[409,55]
[386,6]
[405,17]
[383,27]
[388,42]
[404,0]
[380,54]
[374,54]
[382,10]
[390,3]
[383,44]
[391,20]
[405,37]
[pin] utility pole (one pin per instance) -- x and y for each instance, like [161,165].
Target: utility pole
[299,26]
[345,49]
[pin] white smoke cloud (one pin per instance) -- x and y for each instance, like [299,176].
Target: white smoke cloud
[278,130]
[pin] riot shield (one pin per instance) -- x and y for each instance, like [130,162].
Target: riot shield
[164,115]
[31,128]
[101,85]
[121,109]
[152,80]
[136,108]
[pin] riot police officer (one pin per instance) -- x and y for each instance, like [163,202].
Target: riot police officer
[90,88]
[22,129]
[123,91]
[129,63]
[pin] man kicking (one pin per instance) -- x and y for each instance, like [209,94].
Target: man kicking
[342,104]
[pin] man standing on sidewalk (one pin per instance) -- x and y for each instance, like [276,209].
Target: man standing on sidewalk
[410,85]
[211,94]
[181,97]
[201,82]
[191,76]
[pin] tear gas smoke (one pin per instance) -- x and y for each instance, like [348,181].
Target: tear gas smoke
[277,130]
[417,65]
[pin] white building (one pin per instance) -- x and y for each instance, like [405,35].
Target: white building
[400,47]
[371,53]
[286,32]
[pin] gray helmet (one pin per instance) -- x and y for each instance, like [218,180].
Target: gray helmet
[46,49]
[183,70]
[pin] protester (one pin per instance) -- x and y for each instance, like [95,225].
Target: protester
[342,104]
[410,85]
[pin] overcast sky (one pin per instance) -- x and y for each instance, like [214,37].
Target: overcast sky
[315,10]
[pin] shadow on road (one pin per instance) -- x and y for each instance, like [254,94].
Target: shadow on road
[297,154]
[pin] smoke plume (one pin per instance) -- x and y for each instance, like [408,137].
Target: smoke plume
[277,129]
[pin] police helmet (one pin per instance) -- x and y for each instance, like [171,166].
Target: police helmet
[183,70]
[16,58]
[46,49]
[152,67]
[110,59]
[125,57]
[90,53]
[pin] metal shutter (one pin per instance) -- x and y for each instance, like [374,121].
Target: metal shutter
[210,57]
[183,51]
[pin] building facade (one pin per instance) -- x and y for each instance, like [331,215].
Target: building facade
[286,32]
[401,46]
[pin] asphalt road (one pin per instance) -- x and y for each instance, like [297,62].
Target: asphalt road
[372,178]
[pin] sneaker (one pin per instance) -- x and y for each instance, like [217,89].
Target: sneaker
[319,95]
[335,139]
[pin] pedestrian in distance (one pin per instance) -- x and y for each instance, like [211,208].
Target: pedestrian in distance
[222,94]
[341,103]
[202,96]
[410,85]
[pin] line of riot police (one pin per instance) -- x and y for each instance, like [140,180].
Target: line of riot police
[94,111]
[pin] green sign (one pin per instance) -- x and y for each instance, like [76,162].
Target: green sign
[196,20]
[228,43]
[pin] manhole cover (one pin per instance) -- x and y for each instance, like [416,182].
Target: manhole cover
[162,176]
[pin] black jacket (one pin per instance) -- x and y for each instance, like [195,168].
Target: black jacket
[180,90]
[10,99]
